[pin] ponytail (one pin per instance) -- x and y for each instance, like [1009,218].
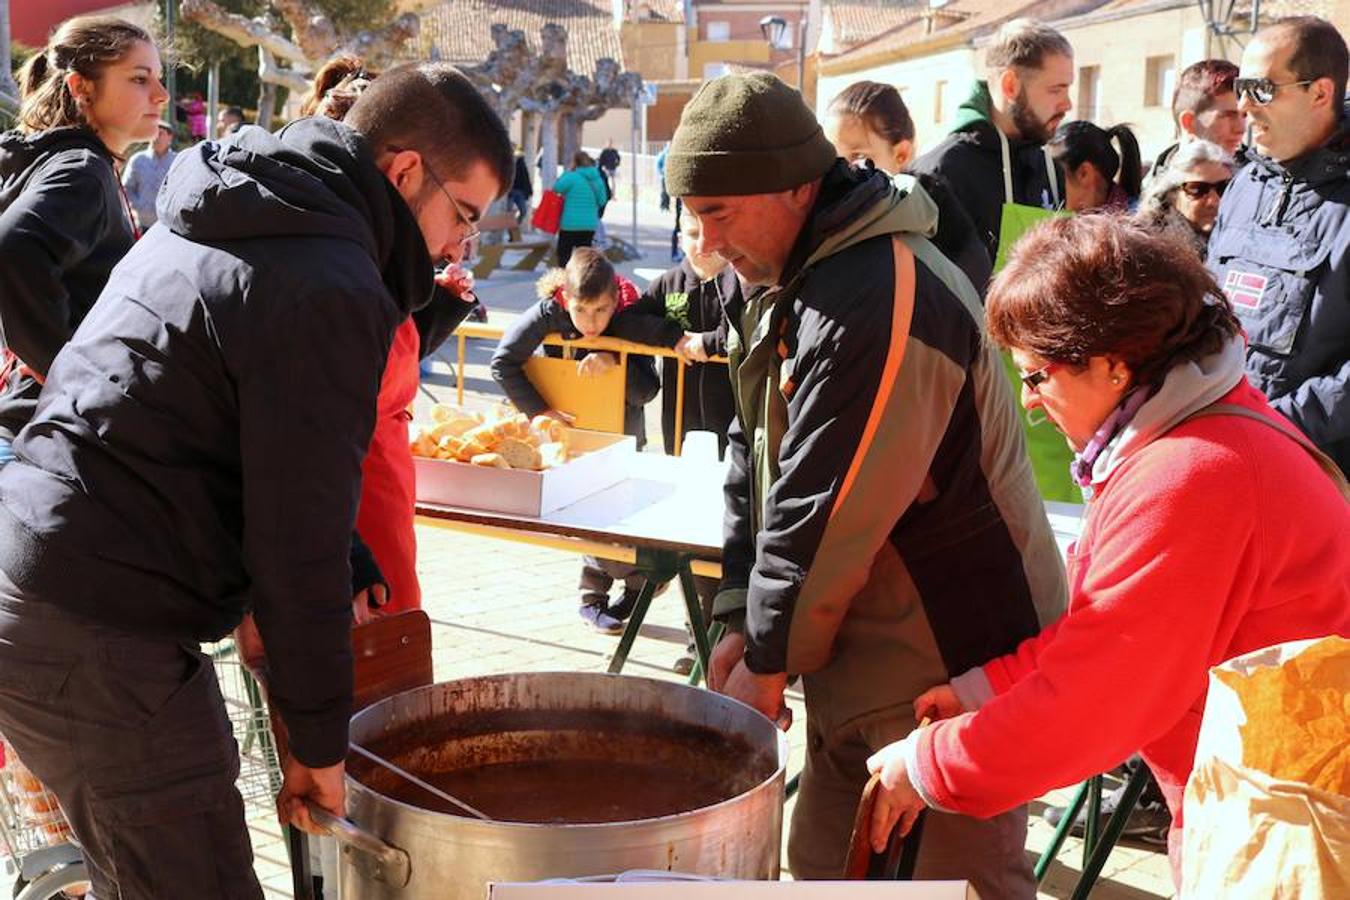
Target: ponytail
[1131,175]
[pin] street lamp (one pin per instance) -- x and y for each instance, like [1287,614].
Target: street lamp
[774,29]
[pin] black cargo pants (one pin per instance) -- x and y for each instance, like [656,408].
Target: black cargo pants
[131,735]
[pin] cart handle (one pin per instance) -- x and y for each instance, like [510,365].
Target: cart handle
[370,854]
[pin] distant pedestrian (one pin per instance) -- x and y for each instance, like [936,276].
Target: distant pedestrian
[229,120]
[584,196]
[521,189]
[145,172]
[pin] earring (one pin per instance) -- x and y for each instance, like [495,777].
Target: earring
[1115,379]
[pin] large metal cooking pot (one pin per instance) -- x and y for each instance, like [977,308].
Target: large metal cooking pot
[400,849]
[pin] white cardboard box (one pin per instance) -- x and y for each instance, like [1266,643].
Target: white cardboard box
[739,890]
[599,461]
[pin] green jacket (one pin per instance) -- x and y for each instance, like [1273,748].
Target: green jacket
[883,528]
[584,196]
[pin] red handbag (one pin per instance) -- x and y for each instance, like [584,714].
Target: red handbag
[548,214]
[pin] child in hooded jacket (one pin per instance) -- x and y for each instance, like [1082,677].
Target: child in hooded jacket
[588,299]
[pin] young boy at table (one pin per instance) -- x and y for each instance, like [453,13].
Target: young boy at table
[697,293]
[588,299]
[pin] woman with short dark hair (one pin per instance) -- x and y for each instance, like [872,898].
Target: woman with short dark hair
[1188,555]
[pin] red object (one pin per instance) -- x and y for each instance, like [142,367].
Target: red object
[1217,539]
[385,517]
[548,214]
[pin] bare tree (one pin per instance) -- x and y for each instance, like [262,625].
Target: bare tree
[313,38]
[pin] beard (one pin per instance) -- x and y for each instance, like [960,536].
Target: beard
[1029,125]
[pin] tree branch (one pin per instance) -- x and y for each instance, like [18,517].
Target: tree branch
[312,30]
[271,73]
[242,30]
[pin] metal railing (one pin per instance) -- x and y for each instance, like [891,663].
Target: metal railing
[489,331]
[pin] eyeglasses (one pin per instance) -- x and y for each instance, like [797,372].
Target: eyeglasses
[469,223]
[1033,380]
[1263,90]
[464,218]
[1199,189]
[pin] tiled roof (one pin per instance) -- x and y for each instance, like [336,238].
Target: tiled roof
[855,22]
[460,30]
[958,19]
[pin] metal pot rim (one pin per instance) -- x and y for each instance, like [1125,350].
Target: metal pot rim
[422,813]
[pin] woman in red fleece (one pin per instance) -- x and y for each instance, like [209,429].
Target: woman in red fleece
[1212,530]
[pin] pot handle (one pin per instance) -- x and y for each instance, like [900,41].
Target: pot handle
[370,854]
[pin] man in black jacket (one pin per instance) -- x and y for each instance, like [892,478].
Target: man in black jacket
[196,453]
[996,154]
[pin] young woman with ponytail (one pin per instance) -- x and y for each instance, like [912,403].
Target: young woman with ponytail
[86,97]
[1097,176]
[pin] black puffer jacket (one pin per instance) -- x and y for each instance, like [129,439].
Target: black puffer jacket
[197,449]
[63,226]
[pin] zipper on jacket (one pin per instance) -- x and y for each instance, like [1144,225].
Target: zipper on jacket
[1277,209]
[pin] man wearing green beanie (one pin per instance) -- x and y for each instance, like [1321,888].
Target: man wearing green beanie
[883,530]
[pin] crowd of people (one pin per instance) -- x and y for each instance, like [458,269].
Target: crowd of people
[176,329]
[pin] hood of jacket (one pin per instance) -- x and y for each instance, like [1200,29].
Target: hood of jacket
[21,154]
[855,205]
[974,124]
[313,178]
[1187,388]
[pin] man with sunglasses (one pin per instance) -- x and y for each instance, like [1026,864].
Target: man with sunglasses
[196,455]
[1281,247]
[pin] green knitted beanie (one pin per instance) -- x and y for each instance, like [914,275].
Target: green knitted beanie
[746,134]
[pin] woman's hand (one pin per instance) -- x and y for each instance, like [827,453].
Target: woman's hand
[897,803]
[597,363]
[937,703]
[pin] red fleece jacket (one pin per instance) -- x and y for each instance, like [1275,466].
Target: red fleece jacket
[1219,537]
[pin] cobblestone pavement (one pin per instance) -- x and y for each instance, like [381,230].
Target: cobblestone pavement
[506,607]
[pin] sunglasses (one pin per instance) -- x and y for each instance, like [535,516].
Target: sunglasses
[1033,380]
[1263,90]
[1198,189]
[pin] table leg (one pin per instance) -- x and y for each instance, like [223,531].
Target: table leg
[634,624]
[694,616]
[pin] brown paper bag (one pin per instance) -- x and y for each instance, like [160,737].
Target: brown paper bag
[1266,811]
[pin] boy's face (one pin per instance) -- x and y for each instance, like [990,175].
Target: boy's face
[591,317]
[706,265]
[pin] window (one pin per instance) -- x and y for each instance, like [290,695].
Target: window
[719,31]
[939,89]
[1160,77]
[714,70]
[1089,92]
